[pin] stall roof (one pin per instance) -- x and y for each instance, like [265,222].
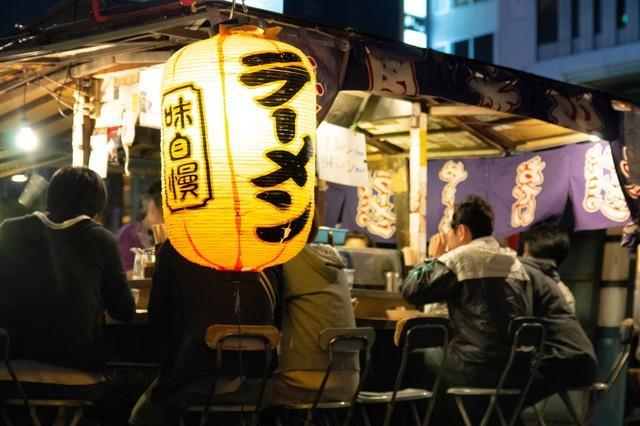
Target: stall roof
[42,66]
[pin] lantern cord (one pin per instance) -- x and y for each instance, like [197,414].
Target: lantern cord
[238,310]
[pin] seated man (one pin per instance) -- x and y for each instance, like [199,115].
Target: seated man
[569,359]
[316,296]
[59,272]
[138,233]
[484,286]
[185,300]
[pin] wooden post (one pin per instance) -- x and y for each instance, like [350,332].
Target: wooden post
[418,183]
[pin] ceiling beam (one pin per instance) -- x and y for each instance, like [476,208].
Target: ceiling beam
[445,110]
[183,34]
[486,136]
[552,141]
[384,146]
[26,163]
[132,60]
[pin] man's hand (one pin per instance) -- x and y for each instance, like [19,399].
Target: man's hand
[437,245]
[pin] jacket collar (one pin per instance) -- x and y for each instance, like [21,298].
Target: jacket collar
[58,226]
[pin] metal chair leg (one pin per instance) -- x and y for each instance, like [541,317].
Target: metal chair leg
[77,416]
[463,411]
[5,417]
[572,411]
[503,421]
[34,416]
[540,414]
[414,412]
[365,416]
[489,411]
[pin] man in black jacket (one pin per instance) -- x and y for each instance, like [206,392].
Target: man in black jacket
[59,272]
[569,359]
[484,286]
[185,300]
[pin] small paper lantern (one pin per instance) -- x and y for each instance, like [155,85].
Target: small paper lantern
[238,138]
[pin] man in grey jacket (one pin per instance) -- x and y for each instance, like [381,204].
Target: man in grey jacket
[316,296]
[484,286]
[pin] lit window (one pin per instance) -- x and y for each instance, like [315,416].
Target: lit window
[415,38]
[440,7]
[271,5]
[416,8]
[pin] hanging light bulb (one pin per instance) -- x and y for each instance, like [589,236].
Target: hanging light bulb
[19,178]
[26,139]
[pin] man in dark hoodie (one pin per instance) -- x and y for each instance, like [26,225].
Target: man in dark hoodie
[569,359]
[59,272]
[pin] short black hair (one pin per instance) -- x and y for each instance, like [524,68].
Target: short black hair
[547,241]
[356,233]
[474,212]
[74,191]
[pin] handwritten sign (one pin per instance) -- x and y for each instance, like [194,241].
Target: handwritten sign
[341,156]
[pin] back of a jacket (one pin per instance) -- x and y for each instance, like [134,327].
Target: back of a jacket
[484,286]
[565,337]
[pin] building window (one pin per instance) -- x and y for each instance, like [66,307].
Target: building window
[575,18]
[416,8]
[483,48]
[547,21]
[461,2]
[415,38]
[597,19]
[461,48]
[440,7]
[622,17]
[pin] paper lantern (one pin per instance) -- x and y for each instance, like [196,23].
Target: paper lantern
[238,138]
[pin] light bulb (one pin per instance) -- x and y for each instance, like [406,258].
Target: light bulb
[20,178]
[26,138]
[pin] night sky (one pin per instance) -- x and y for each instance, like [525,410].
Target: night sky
[21,11]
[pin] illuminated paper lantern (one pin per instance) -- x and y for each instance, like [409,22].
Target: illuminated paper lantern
[238,138]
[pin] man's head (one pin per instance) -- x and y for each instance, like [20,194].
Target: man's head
[357,239]
[546,241]
[75,191]
[472,218]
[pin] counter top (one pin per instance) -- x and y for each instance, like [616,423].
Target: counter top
[375,294]
[143,283]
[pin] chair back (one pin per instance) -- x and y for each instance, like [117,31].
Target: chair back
[422,333]
[527,335]
[418,333]
[626,338]
[4,349]
[342,341]
[228,337]
[626,333]
[240,338]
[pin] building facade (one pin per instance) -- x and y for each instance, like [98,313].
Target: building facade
[593,42]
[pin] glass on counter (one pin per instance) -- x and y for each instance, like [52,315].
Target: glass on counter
[393,281]
[351,274]
[143,263]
